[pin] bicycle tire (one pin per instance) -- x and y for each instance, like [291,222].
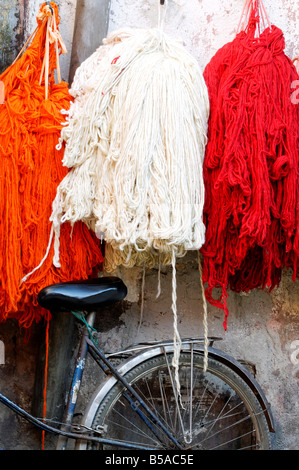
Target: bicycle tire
[226,415]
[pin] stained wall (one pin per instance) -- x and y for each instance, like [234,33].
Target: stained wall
[263,328]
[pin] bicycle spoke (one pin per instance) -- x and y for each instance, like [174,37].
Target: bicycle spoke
[232,440]
[218,417]
[138,431]
[191,396]
[198,408]
[165,403]
[228,427]
[151,402]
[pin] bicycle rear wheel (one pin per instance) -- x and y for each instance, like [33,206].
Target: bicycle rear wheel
[216,409]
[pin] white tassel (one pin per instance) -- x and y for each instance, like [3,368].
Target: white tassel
[135,145]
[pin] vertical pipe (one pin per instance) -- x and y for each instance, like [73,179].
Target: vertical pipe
[91,26]
[76,383]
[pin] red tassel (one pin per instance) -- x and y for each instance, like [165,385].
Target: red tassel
[251,164]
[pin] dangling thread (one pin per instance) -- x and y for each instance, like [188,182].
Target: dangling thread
[44,258]
[205,316]
[142,299]
[176,340]
[159,278]
[45,381]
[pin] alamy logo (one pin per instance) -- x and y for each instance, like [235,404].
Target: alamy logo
[295,94]
[2,353]
[2,93]
[295,354]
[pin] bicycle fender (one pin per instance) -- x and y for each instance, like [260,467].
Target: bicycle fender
[151,352]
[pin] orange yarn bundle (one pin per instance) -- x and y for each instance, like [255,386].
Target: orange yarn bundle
[30,171]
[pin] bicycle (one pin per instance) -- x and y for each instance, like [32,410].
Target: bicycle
[138,406]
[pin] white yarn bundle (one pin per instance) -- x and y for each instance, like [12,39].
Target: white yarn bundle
[135,142]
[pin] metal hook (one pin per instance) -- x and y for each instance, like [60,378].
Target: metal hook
[50,6]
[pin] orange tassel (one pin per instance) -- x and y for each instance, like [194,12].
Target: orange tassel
[31,169]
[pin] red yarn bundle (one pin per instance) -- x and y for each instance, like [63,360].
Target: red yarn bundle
[251,164]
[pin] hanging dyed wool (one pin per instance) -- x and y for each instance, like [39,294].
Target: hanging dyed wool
[251,161]
[135,143]
[31,169]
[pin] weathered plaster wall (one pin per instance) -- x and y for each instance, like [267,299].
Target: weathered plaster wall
[204,25]
[263,328]
[18,21]
[11,31]
[86,40]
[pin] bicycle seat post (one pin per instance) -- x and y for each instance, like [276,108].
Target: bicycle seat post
[76,382]
[90,318]
[77,297]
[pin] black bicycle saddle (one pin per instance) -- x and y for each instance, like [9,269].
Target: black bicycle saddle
[87,295]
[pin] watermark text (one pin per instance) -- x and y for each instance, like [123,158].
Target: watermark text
[295,94]
[295,352]
[2,353]
[2,93]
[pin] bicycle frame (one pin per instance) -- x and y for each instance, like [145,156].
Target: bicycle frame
[87,346]
[81,433]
